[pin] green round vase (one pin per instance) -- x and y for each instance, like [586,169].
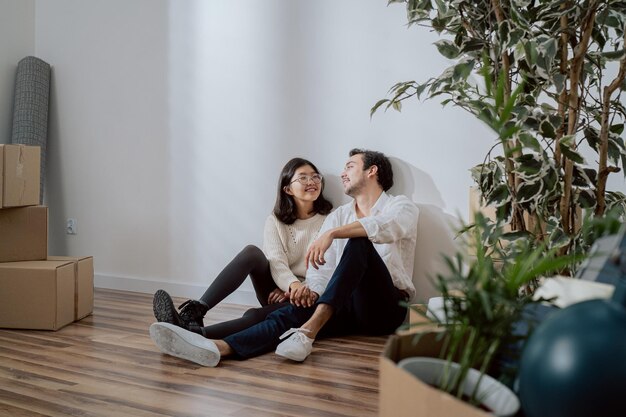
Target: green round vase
[574,364]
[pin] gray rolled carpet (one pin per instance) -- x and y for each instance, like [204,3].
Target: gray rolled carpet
[30,111]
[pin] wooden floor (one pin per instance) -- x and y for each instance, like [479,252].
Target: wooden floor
[106,365]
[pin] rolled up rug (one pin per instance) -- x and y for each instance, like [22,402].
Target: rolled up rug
[30,110]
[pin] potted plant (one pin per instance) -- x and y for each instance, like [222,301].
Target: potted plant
[485,298]
[491,395]
[547,77]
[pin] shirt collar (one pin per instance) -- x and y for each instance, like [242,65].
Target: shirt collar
[377,207]
[380,203]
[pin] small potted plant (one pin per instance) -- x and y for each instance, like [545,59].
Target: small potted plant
[484,299]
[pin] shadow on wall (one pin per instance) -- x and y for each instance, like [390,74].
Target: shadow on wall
[333,190]
[414,183]
[435,228]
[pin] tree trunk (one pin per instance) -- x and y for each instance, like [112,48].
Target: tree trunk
[574,108]
[564,95]
[511,150]
[603,169]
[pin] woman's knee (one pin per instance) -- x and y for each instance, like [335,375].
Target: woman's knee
[256,314]
[251,252]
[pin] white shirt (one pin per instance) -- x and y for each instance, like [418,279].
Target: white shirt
[391,226]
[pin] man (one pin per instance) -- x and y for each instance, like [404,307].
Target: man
[359,269]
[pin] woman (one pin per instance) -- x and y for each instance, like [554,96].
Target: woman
[276,272]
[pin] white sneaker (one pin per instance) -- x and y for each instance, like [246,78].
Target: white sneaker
[297,347]
[176,341]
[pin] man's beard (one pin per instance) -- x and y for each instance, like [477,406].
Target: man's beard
[353,189]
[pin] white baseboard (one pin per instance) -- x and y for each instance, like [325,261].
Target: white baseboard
[176,289]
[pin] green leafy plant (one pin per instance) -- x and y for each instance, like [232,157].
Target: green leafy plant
[547,76]
[484,297]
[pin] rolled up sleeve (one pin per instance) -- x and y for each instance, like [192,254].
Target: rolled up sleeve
[397,222]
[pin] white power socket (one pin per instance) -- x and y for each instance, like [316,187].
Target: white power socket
[71,227]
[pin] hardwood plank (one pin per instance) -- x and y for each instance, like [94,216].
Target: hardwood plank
[9,410]
[106,365]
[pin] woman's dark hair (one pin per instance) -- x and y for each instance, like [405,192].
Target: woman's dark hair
[285,208]
[385,173]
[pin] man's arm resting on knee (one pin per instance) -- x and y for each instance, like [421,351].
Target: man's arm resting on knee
[315,254]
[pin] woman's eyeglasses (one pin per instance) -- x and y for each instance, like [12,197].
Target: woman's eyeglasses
[304,179]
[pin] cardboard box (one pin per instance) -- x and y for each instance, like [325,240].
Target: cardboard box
[401,394]
[416,323]
[24,234]
[83,275]
[20,175]
[36,294]
[415,318]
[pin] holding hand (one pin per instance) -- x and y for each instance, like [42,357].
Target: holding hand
[277,296]
[301,295]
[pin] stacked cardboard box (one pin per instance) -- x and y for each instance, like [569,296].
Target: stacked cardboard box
[36,291]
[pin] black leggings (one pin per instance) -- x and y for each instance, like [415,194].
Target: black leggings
[250,261]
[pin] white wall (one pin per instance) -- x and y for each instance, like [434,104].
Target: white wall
[17,40]
[170,121]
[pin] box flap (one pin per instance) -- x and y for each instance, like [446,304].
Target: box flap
[399,347]
[68,258]
[39,265]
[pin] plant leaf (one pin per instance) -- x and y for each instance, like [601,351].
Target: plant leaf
[529,141]
[463,70]
[498,195]
[617,129]
[528,191]
[377,105]
[614,55]
[447,48]
[566,146]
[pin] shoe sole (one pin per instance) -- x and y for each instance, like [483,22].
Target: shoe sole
[181,343]
[163,307]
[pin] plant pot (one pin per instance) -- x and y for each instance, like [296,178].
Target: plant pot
[493,395]
[574,364]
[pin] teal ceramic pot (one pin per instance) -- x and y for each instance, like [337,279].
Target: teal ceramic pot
[574,364]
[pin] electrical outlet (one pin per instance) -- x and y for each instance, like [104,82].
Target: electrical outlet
[70,227]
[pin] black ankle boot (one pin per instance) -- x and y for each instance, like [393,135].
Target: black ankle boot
[165,311]
[193,312]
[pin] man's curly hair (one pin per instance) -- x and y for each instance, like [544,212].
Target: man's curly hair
[385,172]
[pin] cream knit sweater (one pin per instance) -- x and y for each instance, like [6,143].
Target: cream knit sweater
[285,245]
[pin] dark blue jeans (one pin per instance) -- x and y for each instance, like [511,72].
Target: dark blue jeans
[361,292]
